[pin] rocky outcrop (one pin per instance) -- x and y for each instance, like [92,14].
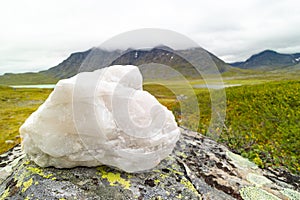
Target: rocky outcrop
[198,168]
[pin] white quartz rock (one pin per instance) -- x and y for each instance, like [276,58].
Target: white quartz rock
[100,118]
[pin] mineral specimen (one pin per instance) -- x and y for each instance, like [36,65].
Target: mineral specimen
[100,118]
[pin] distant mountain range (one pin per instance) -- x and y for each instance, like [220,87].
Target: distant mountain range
[269,59]
[96,58]
[162,55]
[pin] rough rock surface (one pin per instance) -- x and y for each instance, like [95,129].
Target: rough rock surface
[198,168]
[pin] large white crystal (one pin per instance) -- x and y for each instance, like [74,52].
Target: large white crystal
[100,118]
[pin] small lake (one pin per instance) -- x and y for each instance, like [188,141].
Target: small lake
[34,86]
[215,86]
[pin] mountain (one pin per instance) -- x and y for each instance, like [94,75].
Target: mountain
[149,61]
[153,61]
[68,67]
[269,59]
[179,61]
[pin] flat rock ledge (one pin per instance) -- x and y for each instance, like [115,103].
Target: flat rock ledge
[199,168]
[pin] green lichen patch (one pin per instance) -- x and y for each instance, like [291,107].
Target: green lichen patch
[156,181]
[258,180]
[240,162]
[179,196]
[27,162]
[5,194]
[23,180]
[175,170]
[291,194]
[27,184]
[163,176]
[156,170]
[181,154]
[39,171]
[20,178]
[114,178]
[251,193]
[189,185]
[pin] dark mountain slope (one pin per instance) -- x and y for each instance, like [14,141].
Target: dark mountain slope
[68,67]
[269,59]
[97,58]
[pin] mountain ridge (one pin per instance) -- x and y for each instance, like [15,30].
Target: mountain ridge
[95,58]
[268,59]
[159,54]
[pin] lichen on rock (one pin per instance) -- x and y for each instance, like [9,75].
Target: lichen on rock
[251,193]
[202,171]
[291,194]
[240,161]
[258,180]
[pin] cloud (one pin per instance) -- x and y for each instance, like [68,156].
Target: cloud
[36,34]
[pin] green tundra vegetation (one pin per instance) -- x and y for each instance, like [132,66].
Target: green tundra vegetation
[262,120]
[16,105]
[29,78]
[264,123]
[262,117]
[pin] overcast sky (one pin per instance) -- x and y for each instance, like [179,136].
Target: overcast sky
[38,34]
